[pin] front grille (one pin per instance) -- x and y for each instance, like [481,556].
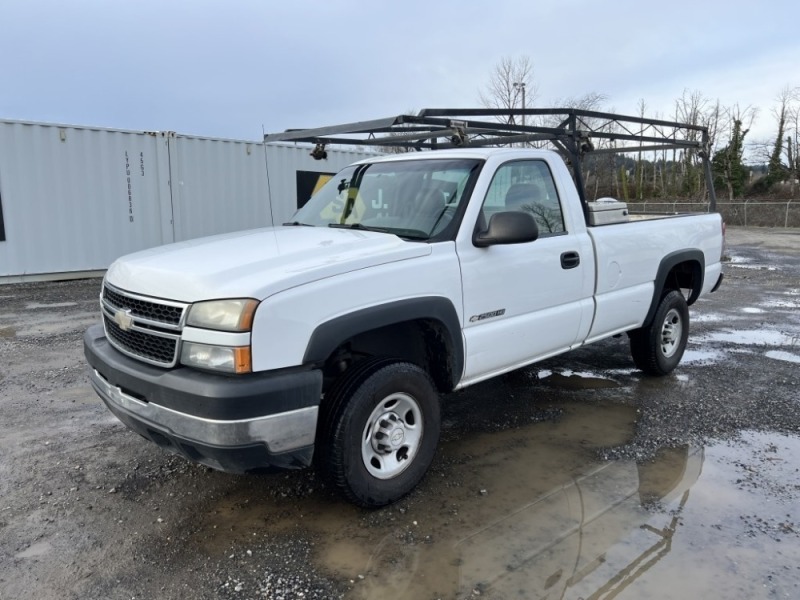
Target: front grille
[154,348]
[147,309]
[152,327]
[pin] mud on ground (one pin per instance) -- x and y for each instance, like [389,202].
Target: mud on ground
[576,477]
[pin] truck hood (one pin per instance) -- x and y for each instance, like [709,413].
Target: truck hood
[255,263]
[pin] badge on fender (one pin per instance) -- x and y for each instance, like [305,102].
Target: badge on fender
[488,315]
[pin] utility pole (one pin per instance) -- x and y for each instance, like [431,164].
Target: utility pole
[521,86]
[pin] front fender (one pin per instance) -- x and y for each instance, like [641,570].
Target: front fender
[330,335]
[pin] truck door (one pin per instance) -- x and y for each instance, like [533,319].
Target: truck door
[524,302]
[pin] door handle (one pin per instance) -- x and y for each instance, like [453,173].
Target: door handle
[570,260]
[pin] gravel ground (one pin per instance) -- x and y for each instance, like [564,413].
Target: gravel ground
[90,510]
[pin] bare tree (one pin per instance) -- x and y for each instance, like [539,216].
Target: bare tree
[782,112]
[548,219]
[511,80]
[588,101]
[693,108]
[792,141]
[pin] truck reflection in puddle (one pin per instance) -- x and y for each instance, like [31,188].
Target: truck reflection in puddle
[587,539]
[557,525]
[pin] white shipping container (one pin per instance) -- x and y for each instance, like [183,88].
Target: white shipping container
[66,201]
[73,199]
[217,186]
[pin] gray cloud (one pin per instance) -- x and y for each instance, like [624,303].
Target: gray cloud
[224,69]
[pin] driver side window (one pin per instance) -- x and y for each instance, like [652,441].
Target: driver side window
[525,185]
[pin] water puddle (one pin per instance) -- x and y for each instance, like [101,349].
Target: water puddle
[575,380]
[781,304]
[736,533]
[738,260]
[784,356]
[35,550]
[751,337]
[7,332]
[755,267]
[705,317]
[454,533]
[663,529]
[531,513]
[706,357]
[751,310]
[741,262]
[37,305]
[622,372]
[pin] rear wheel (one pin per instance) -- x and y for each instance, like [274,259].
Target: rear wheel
[378,431]
[658,348]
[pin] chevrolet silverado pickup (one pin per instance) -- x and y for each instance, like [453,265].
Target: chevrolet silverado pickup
[329,339]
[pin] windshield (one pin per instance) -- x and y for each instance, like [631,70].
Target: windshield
[416,199]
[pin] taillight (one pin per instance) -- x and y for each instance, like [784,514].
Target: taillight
[722,247]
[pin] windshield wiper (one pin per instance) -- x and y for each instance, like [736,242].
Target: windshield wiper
[413,234]
[359,226]
[297,224]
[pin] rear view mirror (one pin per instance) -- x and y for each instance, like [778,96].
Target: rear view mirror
[509,227]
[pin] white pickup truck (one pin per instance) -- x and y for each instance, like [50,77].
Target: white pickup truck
[329,339]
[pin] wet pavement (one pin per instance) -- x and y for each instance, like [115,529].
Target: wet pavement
[576,478]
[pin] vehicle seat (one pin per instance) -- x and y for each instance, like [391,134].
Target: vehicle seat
[433,200]
[520,195]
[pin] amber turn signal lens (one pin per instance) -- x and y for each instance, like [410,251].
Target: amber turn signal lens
[248,313]
[242,362]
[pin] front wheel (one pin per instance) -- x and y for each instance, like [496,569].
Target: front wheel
[658,348]
[379,431]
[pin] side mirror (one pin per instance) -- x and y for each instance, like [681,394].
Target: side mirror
[510,227]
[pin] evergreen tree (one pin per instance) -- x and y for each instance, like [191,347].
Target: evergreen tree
[776,170]
[727,166]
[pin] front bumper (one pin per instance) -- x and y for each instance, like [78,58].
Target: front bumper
[231,423]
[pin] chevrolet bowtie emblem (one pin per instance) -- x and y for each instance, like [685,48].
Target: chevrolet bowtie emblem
[124,319]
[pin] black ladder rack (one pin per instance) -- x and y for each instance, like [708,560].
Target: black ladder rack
[567,130]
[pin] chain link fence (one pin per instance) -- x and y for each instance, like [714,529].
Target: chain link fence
[745,213]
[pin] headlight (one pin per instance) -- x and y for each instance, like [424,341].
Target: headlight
[217,358]
[223,315]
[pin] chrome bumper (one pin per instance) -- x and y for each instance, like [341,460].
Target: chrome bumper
[280,433]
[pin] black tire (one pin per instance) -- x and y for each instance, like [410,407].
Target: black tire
[658,348]
[378,400]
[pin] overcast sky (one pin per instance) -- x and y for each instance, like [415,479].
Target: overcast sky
[227,68]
